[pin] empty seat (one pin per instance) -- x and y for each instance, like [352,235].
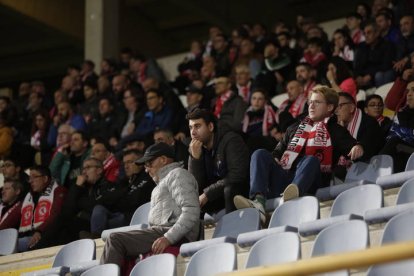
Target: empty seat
[286,217]
[75,257]
[8,241]
[139,220]
[103,270]
[156,265]
[350,204]
[341,237]
[227,230]
[405,201]
[287,245]
[399,228]
[359,173]
[397,179]
[214,259]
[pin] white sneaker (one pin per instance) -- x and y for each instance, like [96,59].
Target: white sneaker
[291,192]
[241,203]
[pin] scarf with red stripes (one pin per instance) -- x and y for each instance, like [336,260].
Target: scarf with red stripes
[296,108]
[220,102]
[353,126]
[316,140]
[268,119]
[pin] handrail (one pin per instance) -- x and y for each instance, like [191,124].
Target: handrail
[355,259]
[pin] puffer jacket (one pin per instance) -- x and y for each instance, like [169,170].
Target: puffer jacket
[174,203]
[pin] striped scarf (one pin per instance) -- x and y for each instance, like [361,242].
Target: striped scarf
[268,119]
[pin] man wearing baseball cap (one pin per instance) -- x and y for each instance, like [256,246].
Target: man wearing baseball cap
[174,213]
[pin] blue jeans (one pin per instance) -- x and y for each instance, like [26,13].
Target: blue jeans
[269,179]
[23,244]
[102,219]
[385,77]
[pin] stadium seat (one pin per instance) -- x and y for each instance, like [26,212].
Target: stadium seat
[75,257]
[8,241]
[138,221]
[405,201]
[103,270]
[384,89]
[341,237]
[285,218]
[397,179]
[227,230]
[214,259]
[279,99]
[264,253]
[399,228]
[156,265]
[359,173]
[349,205]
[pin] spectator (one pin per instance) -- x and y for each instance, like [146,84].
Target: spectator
[305,76]
[135,113]
[374,107]
[219,162]
[104,87]
[105,124]
[314,56]
[340,77]
[373,59]
[220,53]
[405,47]
[89,107]
[12,169]
[87,74]
[243,83]
[343,46]
[72,89]
[385,26]
[66,115]
[248,58]
[58,97]
[401,133]
[354,23]
[181,151]
[397,95]
[38,141]
[159,115]
[6,136]
[67,163]
[12,194]
[175,194]
[364,11]
[194,95]
[40,208]
[137,185]
[305,163]
[108,68]
[361,126]
[101,151]
[228,107]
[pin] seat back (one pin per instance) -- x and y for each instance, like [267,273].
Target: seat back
[75,252]
[382,164]
[140,215]
[341,237]
[357,200]
[410,163]
[8,241]
[358,171]
[384,89]
[406,193]
[399,228]
[237,222]
[218,258]
[103,270]
[403,268]
[263,252]
[296,211]
[156,265]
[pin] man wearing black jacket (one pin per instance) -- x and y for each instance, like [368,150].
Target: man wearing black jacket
[303,159]
[219,160]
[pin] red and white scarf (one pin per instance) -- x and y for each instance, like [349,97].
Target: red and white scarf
[244,92]
[220,102]
[316,140]
[295,109]
[308,87]
[269,119]
[355,123]
[380,119]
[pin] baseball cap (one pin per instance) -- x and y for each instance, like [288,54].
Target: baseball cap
[156,150]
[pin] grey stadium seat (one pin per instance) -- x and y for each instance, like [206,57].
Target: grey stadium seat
[397,179]
[156,265]
[8,241]
[103,270]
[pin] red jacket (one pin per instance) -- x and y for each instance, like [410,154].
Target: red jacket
[10,215]
[396,96]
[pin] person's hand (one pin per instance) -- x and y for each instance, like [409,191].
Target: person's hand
[399,65]
[408,74]
[356,152]
[202,199]
[56,120]
[279,77]
[195,148]
[179,136]
[113,142]
[330,75]
[80,180]
[159,245]
[65,149]
[35,239]
[130,128]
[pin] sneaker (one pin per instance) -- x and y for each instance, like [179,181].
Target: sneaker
[291,192]
[241,203]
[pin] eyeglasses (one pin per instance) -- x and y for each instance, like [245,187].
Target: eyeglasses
[376,105]
[33,177]
[6,165]
[149,163]
[315,103]
[343,104]
[89,167]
